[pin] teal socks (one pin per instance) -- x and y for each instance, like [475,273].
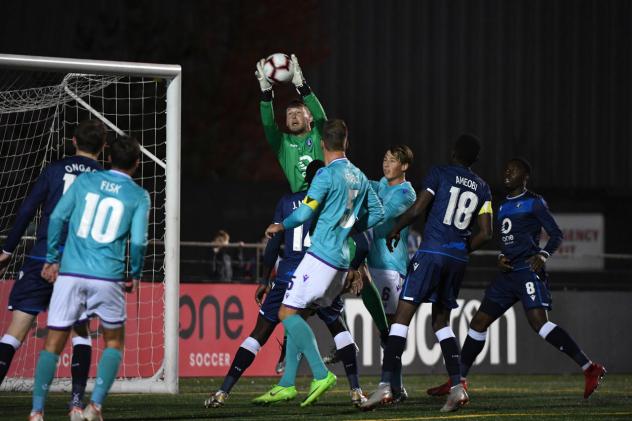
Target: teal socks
[292,361]
[303,337]
[44,373]
[106,373]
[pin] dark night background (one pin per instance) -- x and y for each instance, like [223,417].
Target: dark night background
[548,80]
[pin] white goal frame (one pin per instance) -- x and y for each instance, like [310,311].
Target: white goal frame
[173,74]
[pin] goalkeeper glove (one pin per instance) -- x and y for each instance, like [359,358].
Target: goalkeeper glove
[263,82]
[297,79]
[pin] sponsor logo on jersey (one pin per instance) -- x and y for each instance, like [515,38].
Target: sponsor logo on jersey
[506,226]
[303,162]
[309,142]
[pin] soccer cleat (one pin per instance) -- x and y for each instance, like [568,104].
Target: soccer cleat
[216,400]
[36,416]
[76,413]
[357,397]
[401,396]
[444,389]
[92,413]
[332,357]
[456,399]
[318,387]
[280,367]
[275,395]
[382,396]
[593,377]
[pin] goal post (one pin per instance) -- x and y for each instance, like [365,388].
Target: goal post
[146,99]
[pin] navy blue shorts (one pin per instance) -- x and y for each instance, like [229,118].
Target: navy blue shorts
[30,293]
[433,278]
[270,306]
[510,287]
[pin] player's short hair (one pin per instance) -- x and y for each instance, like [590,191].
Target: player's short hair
[523,163]
[403,154]
[335,135]
[124,152]
[90,135]
[311,170]
[295,103]
[466,149]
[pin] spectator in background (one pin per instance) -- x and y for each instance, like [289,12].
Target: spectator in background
[221,261]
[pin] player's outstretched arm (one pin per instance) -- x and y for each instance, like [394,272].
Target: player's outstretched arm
[270,128]
[484,233]
[273,247]
[138,237]
[419,207]
[375,210]
[309,98]
[270,255]
[25,214]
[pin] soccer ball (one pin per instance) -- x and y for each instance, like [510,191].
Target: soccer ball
[278,68]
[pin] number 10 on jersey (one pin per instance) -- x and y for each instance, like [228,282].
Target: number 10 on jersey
[94,218]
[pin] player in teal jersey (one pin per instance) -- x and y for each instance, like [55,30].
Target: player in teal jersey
[103,210]
[388,269]
[342,195]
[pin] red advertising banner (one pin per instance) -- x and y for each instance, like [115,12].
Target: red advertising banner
[214,321]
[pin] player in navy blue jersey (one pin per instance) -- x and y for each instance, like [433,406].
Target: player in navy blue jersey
[294,243]
[31,293]
[523,277]
[453,197]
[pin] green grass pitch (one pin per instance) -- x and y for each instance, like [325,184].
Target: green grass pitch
[493,397]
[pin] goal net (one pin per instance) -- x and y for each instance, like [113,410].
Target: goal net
[39,111]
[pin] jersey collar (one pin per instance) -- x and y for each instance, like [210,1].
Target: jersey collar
[120,173]
[338,159]
[515,197]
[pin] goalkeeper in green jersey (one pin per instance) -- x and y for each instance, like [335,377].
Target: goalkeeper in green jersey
[304,120]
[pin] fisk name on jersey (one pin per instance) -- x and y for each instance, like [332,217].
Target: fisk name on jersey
[466,182]
[110,187]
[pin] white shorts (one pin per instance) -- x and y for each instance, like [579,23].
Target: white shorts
[314,284]
[389,284]
[76,298]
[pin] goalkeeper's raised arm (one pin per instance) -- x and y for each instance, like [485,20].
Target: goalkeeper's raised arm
[304,120]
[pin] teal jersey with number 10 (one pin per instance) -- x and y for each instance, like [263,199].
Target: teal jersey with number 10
[103,210]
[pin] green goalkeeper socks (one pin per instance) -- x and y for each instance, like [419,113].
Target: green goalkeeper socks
[106,373]
[44,373]
[373,302]
[301,334]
